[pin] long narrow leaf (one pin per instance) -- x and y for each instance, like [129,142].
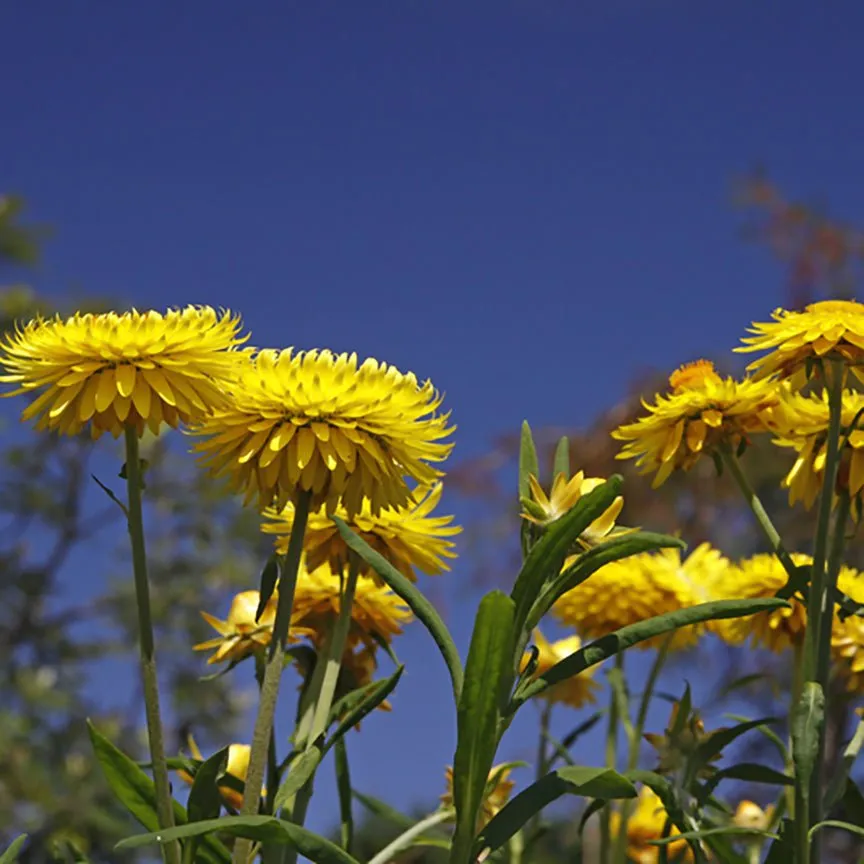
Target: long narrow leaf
[807,719]
[837,787]
[374,695]
[343,789]
[384,811]
[10,856]
[419,605]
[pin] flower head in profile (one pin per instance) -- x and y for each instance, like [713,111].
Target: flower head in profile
[240,635]
[801,423]
[639,587]
[648,822]
[748,814]
[847,635]
[111,371]
[319,423]
[830,329]
[237,766]
[409,537]
[701,412]
[576,691]
[565,494]
[376,614]
[496,796]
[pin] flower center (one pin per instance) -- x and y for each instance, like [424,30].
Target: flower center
[837,307]
[692,375]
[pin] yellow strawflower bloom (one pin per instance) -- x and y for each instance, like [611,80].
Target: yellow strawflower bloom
[575,692]
[748,814]
[828,329]
[647,822]
[701,412]
[237,766]
[494,801]
[565,494]
[801,423]
[408,537]
[110,371]
[847,637]
[642,586]
[376,611]
[317,422]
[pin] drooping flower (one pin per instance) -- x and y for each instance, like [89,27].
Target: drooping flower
[240,635]
[495,799]
[576,691]
[639,587]
[702,412]
[648,822]
[319,423]
[237,766]
[375,612]
[111,370]
[565,494]
[801,423]
[408,537]
[827,329]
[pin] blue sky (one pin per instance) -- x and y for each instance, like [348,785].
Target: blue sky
[524,201]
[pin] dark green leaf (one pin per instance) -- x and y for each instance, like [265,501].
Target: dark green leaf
[418,604]
[204,799]
[590,782]
[298,774]
[782,850]
[585,726]
[838,785]
[561,462]
[714,743]
[369,697]
[853,803]
[488,677]
[384,811]
[10,856]
[593,807]
[266,829]
[343,789]
[601,649]
[682,715]
[807,721]
[527,460]
[711,832]
[750,772]
[269,577]
[770,734]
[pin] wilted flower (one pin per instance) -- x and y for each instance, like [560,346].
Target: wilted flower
[116,370]
[576,691]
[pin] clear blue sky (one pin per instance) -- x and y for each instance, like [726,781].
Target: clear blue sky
[524,201]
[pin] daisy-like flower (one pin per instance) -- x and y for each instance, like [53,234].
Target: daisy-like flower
[639,587]
[801,423]
[494,801]
[375,612]
[240,635]
[647,822]
[237,765]
[319,423]
[408,537]
[701,412]
[575,692]
[828,329]
[563,497]
[110,371]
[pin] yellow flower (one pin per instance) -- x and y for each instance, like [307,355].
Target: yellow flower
[575,692]
[115,370]
[801,423]
[494,801]
[642,586]
[376,612]
[564,496]
[829,329]
[647,822]
[407,537]
[237,766]
[847,637]
[748,814]
[240,635]
[320,423]
[702,411]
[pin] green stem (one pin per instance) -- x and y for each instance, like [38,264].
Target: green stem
[404,840]
[611,762]
[835,562]
[792,793]
[620,855]
[135,521]
[542,759]
[273,667]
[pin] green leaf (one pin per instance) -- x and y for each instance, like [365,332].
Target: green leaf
[714,743]
[770,734]
[853,803]
[591,561]
[10,856]
[838,786]
[711,832]
[590,782]
[265,829]
[682,715]
[807,720]
[834,823]
[204,799]
[343,789]
[269,577]
[527,460]
[607,646]
[561,462]
[419,605]
[593,807]
[782,850]
[546,557]
[298,774]
[489,675]
[135,790]
[370,696]
[750,772]
[384,811]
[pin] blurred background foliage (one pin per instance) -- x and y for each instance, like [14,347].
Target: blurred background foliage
[203,547]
